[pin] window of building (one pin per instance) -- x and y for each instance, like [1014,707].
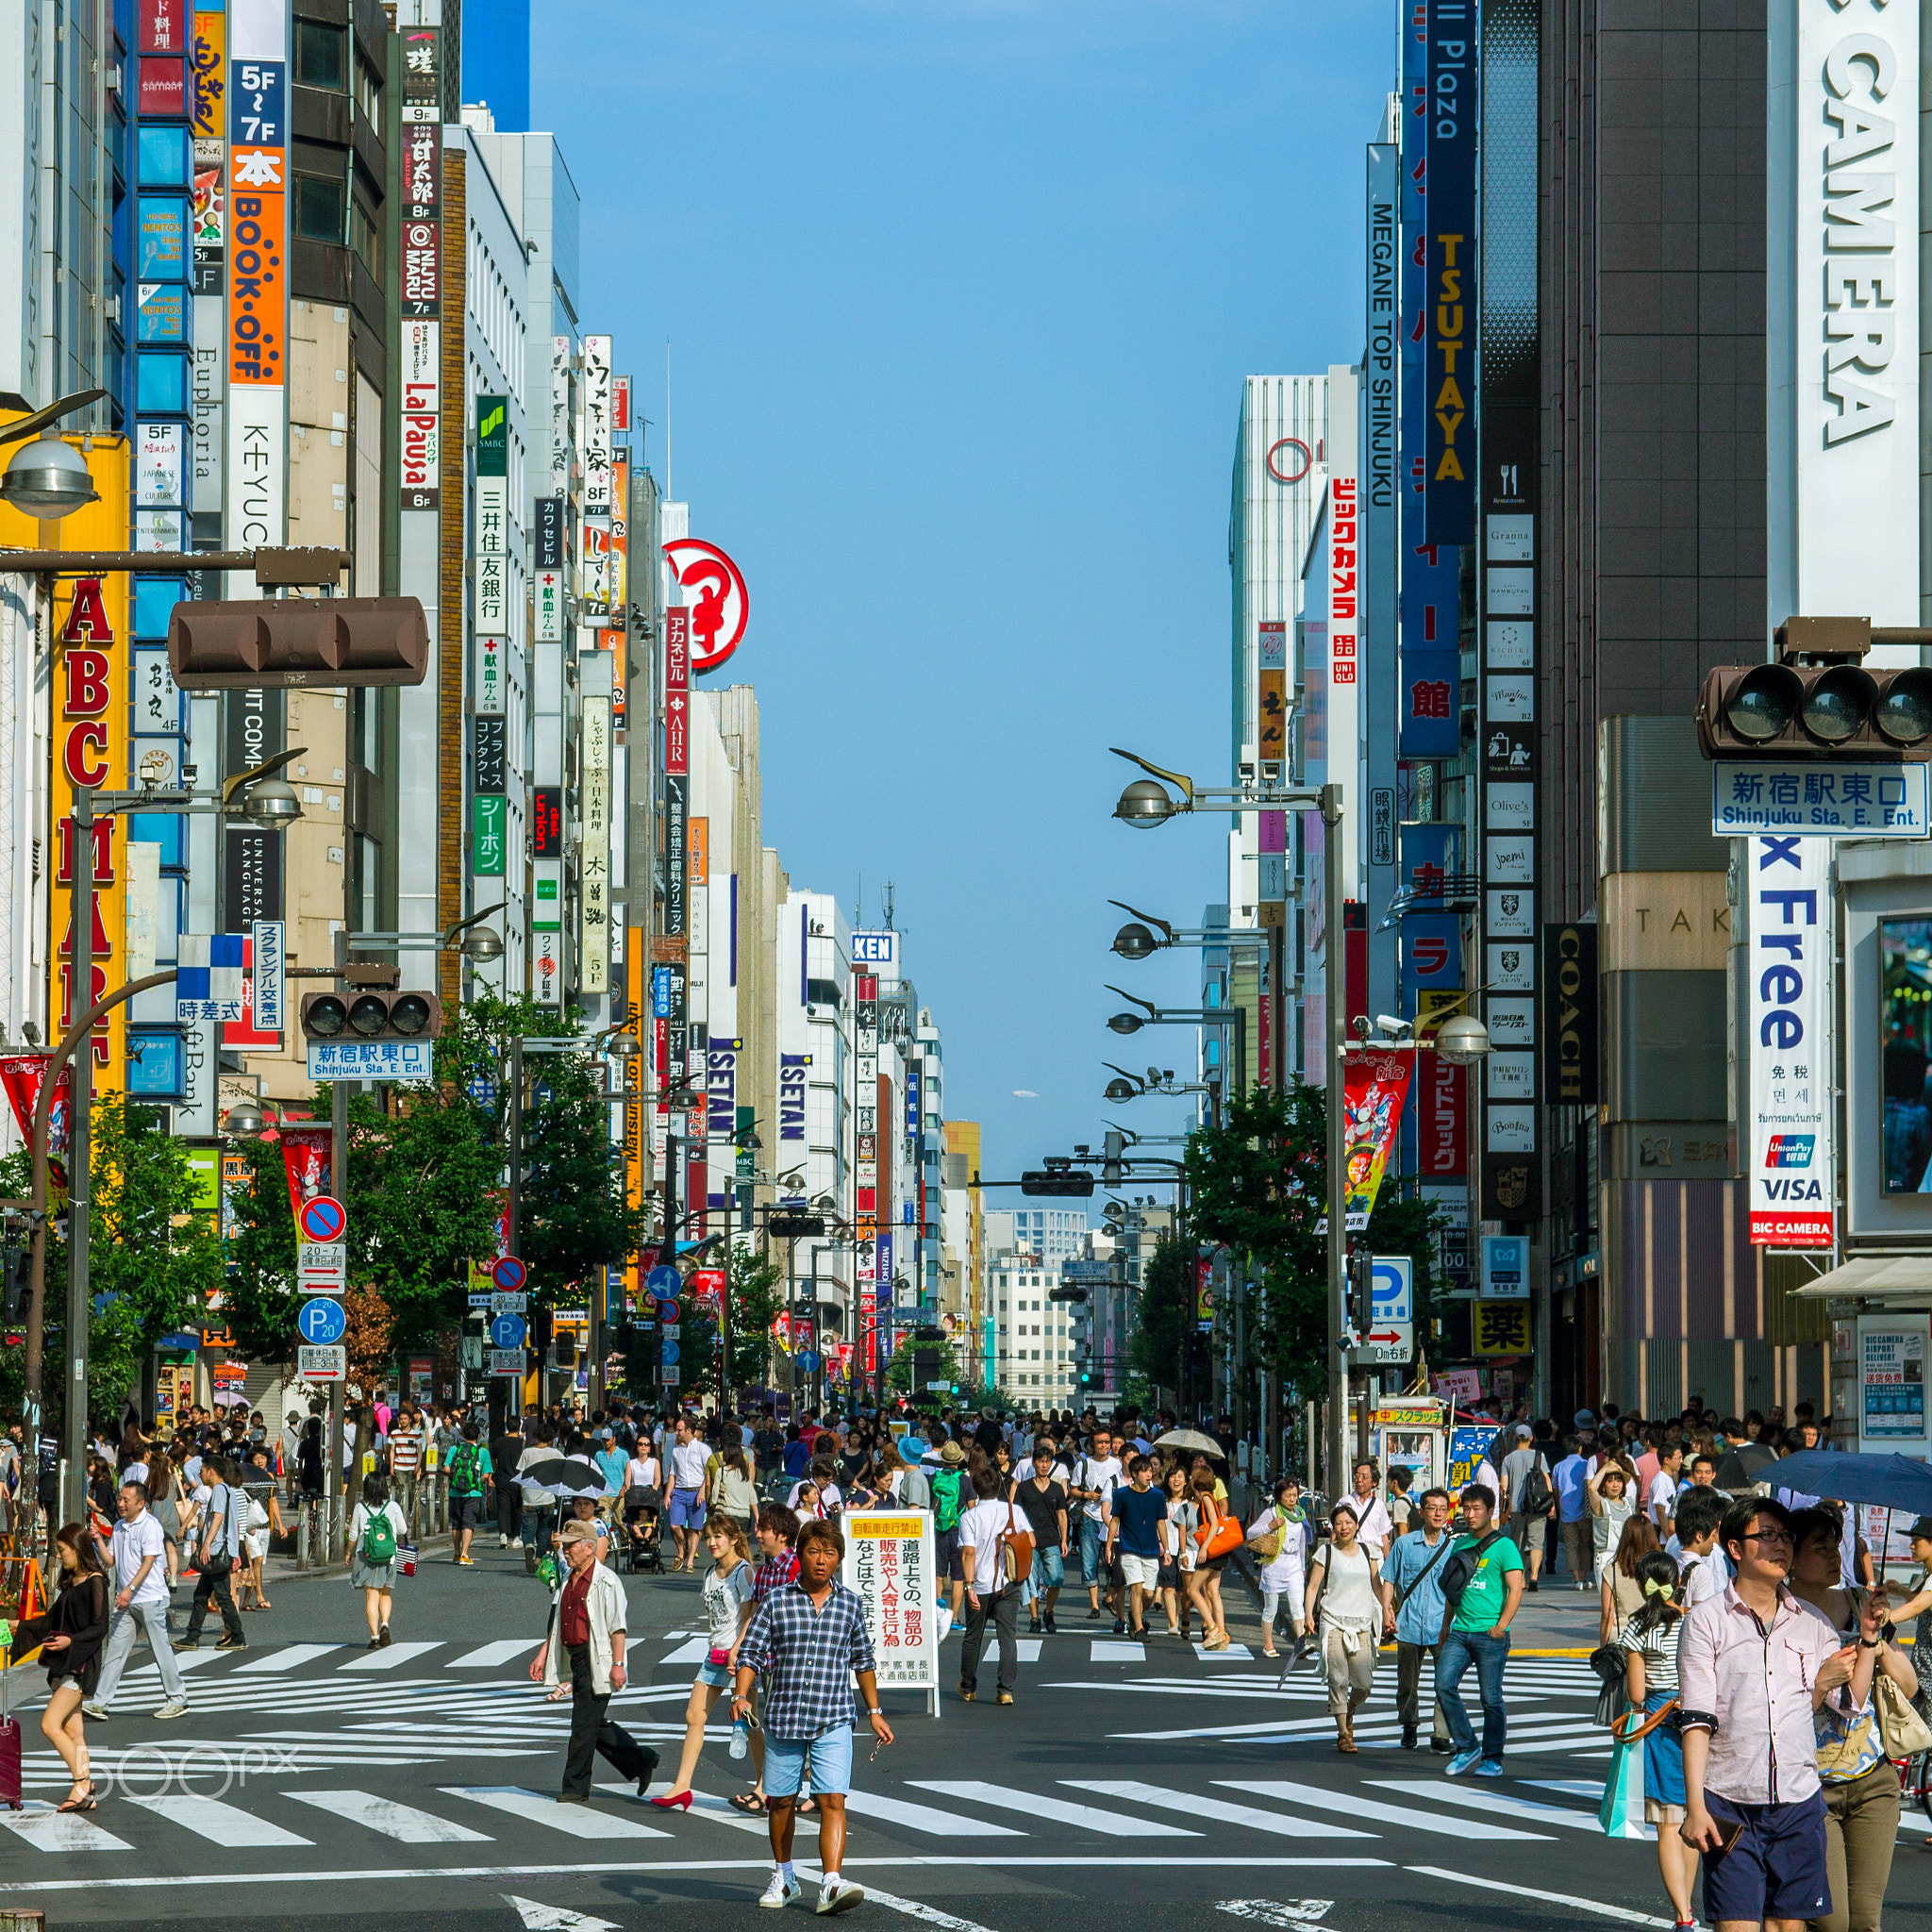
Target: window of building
[322,55]
[368,92]
[365,236]
[320,206]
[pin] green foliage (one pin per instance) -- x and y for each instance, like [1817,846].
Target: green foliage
[1260,1186]
[153,1259]
[899,1370]
[1166,1347]
[573,1218]
[756,1287]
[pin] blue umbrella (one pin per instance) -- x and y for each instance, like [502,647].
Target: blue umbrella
[1885,1482]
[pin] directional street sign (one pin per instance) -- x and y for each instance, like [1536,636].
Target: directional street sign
[1393,1288]
[506,1331]
[505,1362]
[321,1322]
[509,1274]
[664,1281]
[321,1364]
[671,1331]
[323,1267]
[370,1059]
[1808,800]
[323,1219]
[808,1359]
[1387,1342]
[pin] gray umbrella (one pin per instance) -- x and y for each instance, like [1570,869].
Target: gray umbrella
[1192,1441]
[1740,1469]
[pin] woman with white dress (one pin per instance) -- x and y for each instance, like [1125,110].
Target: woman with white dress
[1277,1539]
[1611,1493]
[1344,1604]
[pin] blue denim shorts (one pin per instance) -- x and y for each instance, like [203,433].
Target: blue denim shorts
[718,1677]
[1092,1542]
[1776,1870]
[687,1508]
[1049,1570]
[824,1762]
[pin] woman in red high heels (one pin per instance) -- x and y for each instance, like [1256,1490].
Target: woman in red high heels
[728,1605]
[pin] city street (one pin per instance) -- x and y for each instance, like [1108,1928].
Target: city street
[314,1778]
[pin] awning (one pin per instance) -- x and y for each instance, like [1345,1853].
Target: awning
[1875,1277]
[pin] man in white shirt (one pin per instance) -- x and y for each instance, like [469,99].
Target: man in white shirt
[987,1591]
[686,1514]
[1372,1513]
[138,1553]
[1662,1499]
[1092,1488]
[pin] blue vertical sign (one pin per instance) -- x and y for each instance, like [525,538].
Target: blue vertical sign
[1429,685]
[1449,332]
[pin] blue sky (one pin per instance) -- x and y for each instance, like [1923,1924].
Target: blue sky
[959,295]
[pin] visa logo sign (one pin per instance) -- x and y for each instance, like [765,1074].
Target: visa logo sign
[1806,1188]
[1790,1150]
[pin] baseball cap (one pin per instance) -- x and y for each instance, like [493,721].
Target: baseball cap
[1524,1432]
[1923,1527]
[578,1531]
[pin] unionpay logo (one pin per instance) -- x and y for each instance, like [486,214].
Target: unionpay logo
[1790,1150]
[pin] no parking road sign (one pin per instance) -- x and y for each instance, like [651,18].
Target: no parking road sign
[509,1274]
[322,1218]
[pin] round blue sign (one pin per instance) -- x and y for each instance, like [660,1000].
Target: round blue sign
[667,1353]
[667,1311]
[321,1322]
[664,1281]
[506,1331]
[808,1359]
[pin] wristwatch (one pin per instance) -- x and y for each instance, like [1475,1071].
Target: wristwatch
[1871,1643]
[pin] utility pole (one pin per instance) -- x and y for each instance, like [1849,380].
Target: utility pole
[1334,1079]
[339,1186]
[80,999]
[515,1201]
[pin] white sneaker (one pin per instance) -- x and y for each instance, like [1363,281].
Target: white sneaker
[841,1897]
[97,1711]
[780,1891]
[174,1707]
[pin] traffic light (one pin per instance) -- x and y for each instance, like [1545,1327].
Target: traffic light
[1819,701]
[1112,1174]
[1361,1291]
[794,1226]
[1066,1294]
[15,1267]
[371,1013]
[330,642]
[1057,1181]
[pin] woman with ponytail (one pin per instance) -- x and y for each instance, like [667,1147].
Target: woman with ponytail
[1649,1643]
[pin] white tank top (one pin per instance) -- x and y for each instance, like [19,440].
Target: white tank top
[1348,1602]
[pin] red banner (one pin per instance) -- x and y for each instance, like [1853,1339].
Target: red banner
[22,1074]
[1442,1119]
[306,1154]
[1377,1084]
[708,1287]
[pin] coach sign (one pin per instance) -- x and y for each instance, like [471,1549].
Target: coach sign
[1570,1015]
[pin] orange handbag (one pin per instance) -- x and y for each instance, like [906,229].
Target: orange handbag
[1223,1538]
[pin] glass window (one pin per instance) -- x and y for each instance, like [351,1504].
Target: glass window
[320,206]
[369,93]
[365,236]
[322,55]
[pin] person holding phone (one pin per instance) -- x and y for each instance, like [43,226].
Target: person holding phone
[1753,1667]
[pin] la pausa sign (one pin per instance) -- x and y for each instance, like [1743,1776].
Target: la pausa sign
[722,607]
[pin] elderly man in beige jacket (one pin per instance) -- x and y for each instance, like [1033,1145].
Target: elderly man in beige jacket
[586,1626]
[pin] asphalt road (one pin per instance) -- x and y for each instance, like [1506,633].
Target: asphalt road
[314,1780]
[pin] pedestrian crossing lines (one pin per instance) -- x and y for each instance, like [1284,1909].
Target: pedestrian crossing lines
[268,1827]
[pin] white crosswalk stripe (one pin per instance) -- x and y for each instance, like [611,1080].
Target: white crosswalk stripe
[927,1818]
[403,1823]
[1489,1800]
[392,1656]
[1061,1811]
[289,1657]
[492,1655]
[1194,1805]
[576,1821]
[48,1831]
[1356,1805]
[223,1825]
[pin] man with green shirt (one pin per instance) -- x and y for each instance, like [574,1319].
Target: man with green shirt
[1482,1585]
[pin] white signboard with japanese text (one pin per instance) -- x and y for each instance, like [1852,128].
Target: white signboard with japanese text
[888,1564]
[1891,1383]
[1818,800]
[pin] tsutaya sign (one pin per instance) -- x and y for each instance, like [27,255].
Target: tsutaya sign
[1844,310]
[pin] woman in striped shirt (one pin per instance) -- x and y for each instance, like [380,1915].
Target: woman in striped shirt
[1649,1643]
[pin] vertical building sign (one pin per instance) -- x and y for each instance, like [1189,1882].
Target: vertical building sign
[546,883]
[420,270]
[1844,322]
[865,1007]
[1450,266]
[258,247]
[594,895]
[491,641]
[1787,1035]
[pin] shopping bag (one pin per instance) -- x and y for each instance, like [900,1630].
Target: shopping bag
[1621,1814]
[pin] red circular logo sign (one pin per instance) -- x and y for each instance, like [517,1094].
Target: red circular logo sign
[1285,468]
[718,617]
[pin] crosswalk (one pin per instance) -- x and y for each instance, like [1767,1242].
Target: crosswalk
[315,1757]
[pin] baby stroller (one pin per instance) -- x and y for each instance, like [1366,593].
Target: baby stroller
[643,1535]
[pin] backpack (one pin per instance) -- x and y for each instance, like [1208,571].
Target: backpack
[1537,1493]
[379,1540]
[463,1464]
[1459,1572]
[946,1499]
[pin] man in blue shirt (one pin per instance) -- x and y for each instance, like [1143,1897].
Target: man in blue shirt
[1412,1604]
[1572,1512]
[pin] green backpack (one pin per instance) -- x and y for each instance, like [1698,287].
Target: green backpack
[379,1540]
[463,1464]
[946,1499]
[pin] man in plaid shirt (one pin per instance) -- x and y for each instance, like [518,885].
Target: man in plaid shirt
[806,1640]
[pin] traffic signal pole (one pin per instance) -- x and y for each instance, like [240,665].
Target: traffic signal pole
[338,1184]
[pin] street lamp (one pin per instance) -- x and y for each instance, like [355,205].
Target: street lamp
[1463,1040]
[1137,941]
[46,479]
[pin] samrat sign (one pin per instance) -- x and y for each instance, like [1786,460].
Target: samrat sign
[888,1564]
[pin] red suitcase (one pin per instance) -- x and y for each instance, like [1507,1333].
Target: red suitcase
[9,1743]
